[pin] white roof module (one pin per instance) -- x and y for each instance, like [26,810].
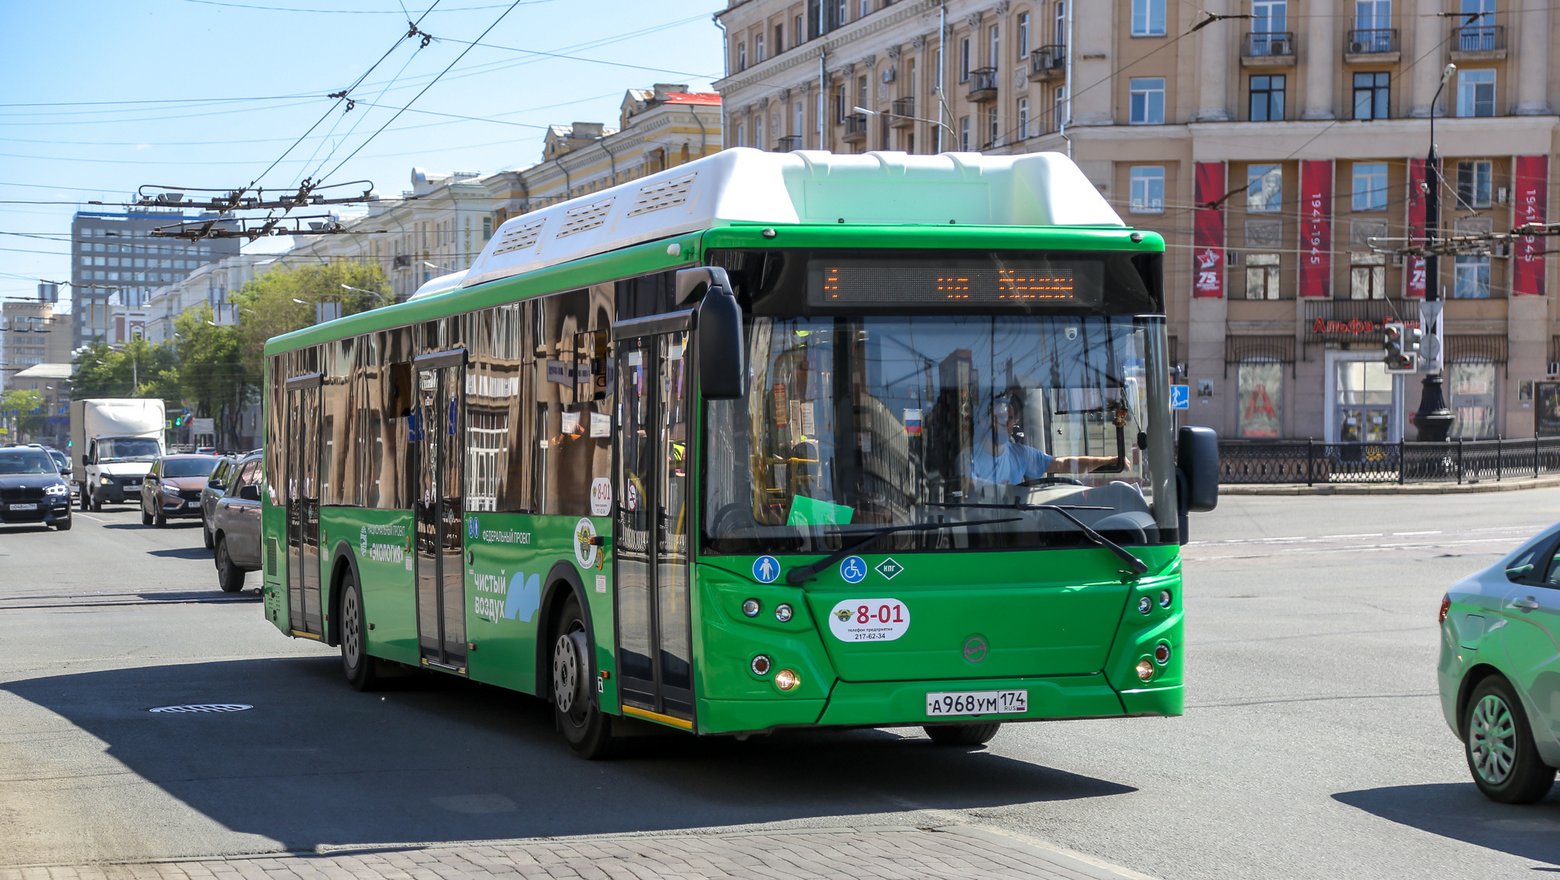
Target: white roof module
[743,185]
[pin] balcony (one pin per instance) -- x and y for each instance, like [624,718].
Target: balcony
[787,143]
[1047,63]
[983,85]
[1268,49]
[1377,46]
[903,113]
[856,128]
[1485,42]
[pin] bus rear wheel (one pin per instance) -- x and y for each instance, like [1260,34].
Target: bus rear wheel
[579,718]
[360,668]
[966,735]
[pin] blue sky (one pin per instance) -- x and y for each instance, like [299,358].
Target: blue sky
[102,97]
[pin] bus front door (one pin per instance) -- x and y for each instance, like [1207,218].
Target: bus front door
[438,443]
[303,506]
[651,570]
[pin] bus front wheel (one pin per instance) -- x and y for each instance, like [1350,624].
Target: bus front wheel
[588,732]
[966,735]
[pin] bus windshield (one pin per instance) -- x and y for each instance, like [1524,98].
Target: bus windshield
[853,424]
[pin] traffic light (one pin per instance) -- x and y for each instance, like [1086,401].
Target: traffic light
[1412,337]
[1399,357]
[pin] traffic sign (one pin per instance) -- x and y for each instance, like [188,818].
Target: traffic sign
[1180,397]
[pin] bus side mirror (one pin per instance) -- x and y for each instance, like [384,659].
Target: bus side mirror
[717,333]
[1197,458]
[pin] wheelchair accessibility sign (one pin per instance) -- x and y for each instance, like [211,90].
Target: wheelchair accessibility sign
[853,569]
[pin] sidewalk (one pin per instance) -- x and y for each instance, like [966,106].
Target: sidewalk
[955,853]
[1510,485]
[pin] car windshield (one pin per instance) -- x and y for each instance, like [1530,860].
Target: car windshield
[188,467]
[60,461]
[30,462]
[123,448]
[859,423]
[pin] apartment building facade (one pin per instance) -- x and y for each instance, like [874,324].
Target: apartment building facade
[1280,147]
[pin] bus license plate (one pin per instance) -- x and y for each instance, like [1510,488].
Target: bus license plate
[977,703]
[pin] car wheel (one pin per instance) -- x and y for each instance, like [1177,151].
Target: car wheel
[1499,746]
[82,501]
[205,531]
[361,670]
[62,525]
[97,503]
[966,735]
[229,576]
[588,732]
[146,518]
[158,519]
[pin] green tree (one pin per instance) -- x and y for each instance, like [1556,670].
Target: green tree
[22,410]
[211,377]
[287,299]
[136,369]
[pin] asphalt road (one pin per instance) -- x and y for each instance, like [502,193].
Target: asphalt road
[1312,746]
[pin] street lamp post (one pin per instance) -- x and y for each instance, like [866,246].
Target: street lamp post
[935,122]
[1433,419]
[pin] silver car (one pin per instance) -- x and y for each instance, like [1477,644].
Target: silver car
[1500,670]
[235,525]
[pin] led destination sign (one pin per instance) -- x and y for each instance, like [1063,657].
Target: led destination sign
[1036,281]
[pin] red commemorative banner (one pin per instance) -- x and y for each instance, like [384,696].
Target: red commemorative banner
[1316,193]
[1414,267]
[1530,204]
[1208,239]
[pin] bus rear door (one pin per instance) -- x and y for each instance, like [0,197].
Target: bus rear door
[303,505]
[438,444]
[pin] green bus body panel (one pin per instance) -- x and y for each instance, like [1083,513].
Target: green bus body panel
[380,542]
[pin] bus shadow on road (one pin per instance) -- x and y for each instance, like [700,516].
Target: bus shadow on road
[440,759]
[1458,811]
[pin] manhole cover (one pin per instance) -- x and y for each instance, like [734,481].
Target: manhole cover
[202,708]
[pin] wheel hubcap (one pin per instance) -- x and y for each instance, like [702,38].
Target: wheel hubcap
[349,623]
[1492,739]
[566,673]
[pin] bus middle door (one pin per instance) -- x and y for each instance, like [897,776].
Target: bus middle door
[439,509]
[651,571]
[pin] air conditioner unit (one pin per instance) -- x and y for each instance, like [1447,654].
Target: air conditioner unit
[1357,48]
[1278,47]
[888,74]
[1500,195]
[1502,249]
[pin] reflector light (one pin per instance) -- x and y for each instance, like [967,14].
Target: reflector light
[1162,653]
[750,608]
[761,665]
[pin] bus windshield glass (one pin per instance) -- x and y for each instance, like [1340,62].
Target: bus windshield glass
[854,424]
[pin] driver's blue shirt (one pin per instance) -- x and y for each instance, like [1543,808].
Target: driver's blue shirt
[1013,463]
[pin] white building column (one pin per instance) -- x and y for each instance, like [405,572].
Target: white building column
[1532,60]
[1429,30]
[1213,50]
[1319,54]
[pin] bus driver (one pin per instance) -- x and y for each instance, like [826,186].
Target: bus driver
[997,458]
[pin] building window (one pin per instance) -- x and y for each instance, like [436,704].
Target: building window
[1059,37]
[758,48]
[1264,189]
[798,32]
[1471,277]
[1367,276]
[779,38]
[1473,183]
[739,136]
[1147,189]
[964,59]
[993,129]
[1148,100]
[1148,18]
[1023,35]
[1472,387]
[1475,93]
[861,8]
[1023,118]
[742,56]
[1261,389]
[1058,106]
[964,133]
[1267,99]
[1371,91]
[1262,276]
[1370,186]
[994,45]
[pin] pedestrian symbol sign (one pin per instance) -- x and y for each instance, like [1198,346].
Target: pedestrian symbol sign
[766,569]
[888,568]
[1180,397]
[853,569]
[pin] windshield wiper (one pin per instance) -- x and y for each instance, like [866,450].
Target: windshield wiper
[798,576]
[1137,565]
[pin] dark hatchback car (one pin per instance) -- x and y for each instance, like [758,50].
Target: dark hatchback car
[31,488]
[172,488]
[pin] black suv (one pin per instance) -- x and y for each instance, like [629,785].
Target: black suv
[31,488]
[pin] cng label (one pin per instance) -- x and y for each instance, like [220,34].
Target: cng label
[869,620]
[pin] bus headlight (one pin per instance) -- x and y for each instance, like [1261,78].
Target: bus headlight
[783,613]
[1145,669]
[787,680]
[750,608]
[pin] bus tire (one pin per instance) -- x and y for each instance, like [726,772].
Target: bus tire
[965,735]
[229,576]
[361,670]
[578,717]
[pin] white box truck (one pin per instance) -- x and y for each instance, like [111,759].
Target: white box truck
[114,441]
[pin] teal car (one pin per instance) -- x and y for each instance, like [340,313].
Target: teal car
[1499,671]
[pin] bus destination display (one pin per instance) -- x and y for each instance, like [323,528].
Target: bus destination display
[964,282]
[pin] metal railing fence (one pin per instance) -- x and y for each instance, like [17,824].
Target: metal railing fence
[1454,461]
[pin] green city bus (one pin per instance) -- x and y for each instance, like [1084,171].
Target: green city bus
[762,441]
